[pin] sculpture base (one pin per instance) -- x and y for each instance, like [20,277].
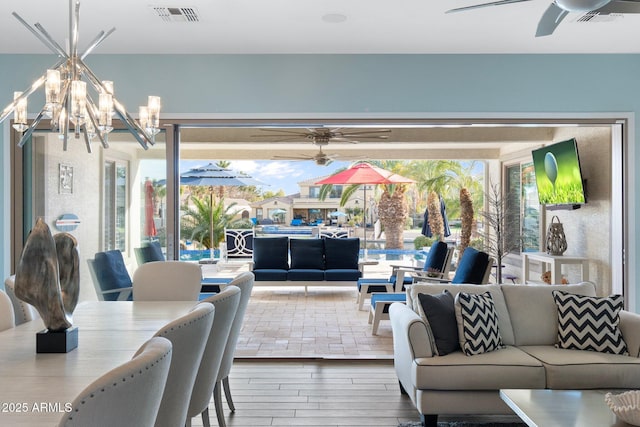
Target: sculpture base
[57,342]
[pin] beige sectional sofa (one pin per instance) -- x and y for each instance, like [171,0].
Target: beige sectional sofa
[528,322]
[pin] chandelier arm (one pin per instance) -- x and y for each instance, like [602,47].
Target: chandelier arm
[34,86]
[67,119]
[91,111]
[27,134]
[57,48]
[35,33]
[74,32]
[137,131]
[96,42]
[87,141]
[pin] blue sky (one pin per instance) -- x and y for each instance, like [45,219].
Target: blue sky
[279,174]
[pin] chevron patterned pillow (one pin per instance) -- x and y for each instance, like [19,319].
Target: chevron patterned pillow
[477,323]
[589,323]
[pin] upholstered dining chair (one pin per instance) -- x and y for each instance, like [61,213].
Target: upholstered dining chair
[189,335]
[167,281]
[226,304]
[7,318]
[244,281]
[128,395]
[23,312]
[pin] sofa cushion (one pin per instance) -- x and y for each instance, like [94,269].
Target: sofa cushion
[579,369]
[441,318]
[270,274]
[477,320]
[111,272]
[526,302]
[342,274]
[271,253]
[304,274]
[307,253]
[504,321]
[507,368]
[589,323]
[341,253]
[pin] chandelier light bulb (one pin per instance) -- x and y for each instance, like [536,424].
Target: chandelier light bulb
[153,106]
[20,113]
[78,101]
[52,91]
[105,112]
[143,117]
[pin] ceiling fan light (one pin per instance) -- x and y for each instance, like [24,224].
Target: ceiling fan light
[581,5]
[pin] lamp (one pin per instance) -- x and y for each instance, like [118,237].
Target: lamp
[67,100]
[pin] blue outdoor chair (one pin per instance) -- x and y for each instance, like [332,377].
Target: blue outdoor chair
[473,268]
[438,262]
[110,276]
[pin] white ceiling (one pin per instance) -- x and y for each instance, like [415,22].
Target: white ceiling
[303,26]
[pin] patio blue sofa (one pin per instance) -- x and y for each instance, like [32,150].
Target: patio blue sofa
[282,261]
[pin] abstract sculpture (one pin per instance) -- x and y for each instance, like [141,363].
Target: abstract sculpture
[48,277]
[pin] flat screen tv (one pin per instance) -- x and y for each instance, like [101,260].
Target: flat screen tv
[558,175]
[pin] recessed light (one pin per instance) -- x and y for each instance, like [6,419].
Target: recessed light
[334,18]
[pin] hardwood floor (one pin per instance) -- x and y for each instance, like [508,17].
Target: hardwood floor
[319,393]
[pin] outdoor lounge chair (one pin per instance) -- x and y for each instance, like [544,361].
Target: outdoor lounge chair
[438,262]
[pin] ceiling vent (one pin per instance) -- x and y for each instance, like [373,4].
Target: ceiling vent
[597,17]
[176,14]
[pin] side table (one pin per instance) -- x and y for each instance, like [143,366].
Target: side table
[553,263]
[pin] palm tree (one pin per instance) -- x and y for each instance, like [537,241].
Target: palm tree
[200,220]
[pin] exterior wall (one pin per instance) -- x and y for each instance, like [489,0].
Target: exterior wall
[363,86]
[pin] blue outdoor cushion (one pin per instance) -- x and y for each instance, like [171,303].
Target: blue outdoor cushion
[151,251]
[271,253]
[342,274]
[471,267]
[341,253]
[307,254]
[389,298]
[270,275]
[437,256]
[111,272]
[375,284]
[300,274]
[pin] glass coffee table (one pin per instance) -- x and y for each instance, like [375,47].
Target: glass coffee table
[561,408]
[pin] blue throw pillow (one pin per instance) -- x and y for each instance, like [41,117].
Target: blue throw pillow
[271,253]
[307,253]
[341,253]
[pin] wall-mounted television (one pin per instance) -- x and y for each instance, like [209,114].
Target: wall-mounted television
[558,175]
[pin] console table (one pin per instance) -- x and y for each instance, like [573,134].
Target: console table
[554,264]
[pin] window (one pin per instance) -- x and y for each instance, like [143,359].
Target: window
[115,205]
[522,200]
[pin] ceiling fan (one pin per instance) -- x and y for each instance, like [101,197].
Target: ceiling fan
[322,136]
[320,158]
[558,9]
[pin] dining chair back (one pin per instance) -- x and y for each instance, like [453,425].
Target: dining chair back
[188,334]
[7,318]
[226,304]
[167,281]
[23,311]
[128,395]
[110,276]
[244,281]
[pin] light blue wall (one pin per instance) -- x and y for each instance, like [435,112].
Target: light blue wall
[356,84]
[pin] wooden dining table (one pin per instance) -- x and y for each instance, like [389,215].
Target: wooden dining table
[37,388]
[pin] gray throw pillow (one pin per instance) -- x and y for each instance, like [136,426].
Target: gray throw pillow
[441,317]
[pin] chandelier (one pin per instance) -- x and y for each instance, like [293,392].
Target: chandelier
[68,103]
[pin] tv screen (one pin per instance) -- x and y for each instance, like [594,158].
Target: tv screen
[558,175]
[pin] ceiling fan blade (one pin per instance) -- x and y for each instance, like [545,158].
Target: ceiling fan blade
[292,157]
[620,6]
[283,138]
[550,20]
[478,6]
[294,132]
[365,132]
